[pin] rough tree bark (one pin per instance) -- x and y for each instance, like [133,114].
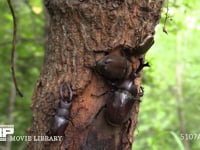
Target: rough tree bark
[79,34]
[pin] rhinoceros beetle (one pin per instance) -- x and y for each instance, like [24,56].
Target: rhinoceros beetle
[141,48]
[120,103]
[62,116]
[113,68]
[116,68]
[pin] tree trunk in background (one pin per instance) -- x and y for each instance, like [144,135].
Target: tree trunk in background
[78,34]
[179,93]
[10,112]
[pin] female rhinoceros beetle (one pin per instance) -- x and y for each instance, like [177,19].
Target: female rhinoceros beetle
[120,104]
[62,116]
[113,68]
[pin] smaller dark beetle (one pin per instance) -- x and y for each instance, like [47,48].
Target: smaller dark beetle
[113,68]
[120,103]
[62,116]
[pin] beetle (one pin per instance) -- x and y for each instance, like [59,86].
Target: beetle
[113,68]
[140,49]
[116,68]
[62,116]
[120,103]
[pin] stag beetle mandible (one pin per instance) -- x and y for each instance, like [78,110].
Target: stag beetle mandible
[62,116]
[120,104]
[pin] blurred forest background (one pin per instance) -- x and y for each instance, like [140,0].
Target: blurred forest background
[170,105]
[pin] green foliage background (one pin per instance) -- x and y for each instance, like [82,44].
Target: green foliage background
[29,58]
[158,123]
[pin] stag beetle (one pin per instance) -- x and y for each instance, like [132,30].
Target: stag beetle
[120,104]
[113,68]
[62,116]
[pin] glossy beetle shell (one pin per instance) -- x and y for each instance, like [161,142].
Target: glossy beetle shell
[58,126]
[119,107]
[113,67]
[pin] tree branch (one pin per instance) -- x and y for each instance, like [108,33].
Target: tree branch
[13,48]
[166,18]
[38,40]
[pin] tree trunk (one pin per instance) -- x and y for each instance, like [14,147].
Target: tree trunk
[80,32]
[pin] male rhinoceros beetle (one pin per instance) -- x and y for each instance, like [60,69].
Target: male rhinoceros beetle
[62,116]
[120,103]
[140,49]
[116,68]
[113,68]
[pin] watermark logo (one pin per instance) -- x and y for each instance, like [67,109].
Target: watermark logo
[6,130]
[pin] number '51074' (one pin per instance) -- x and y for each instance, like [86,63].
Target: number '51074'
[190,136]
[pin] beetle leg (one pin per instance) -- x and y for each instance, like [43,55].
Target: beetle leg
[141,65]
[76,113]
[83,0]
[129,125]
[102,94]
